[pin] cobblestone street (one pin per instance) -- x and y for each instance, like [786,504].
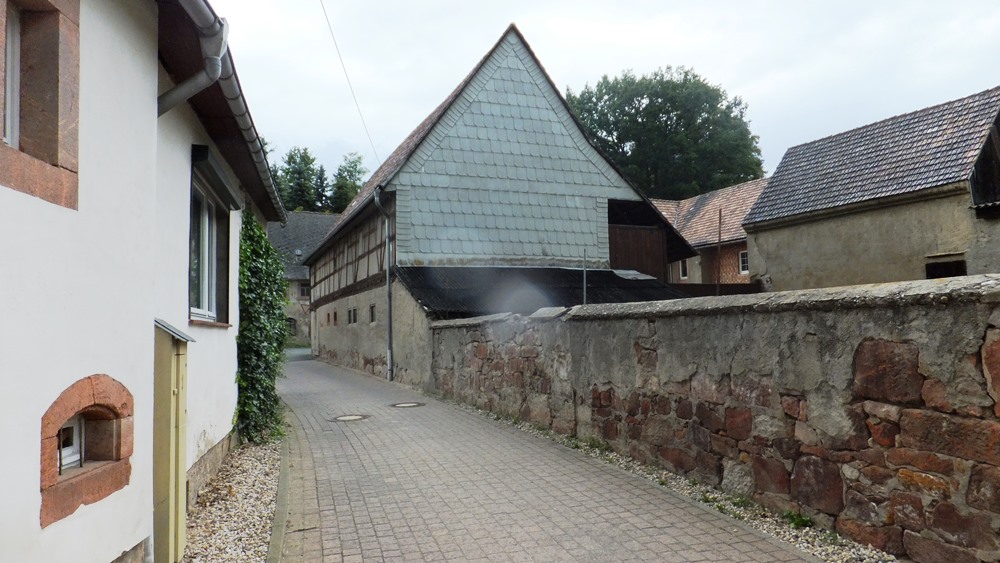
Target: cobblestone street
[434,482]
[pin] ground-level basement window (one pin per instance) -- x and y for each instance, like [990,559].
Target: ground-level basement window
[86,443]
[945,269]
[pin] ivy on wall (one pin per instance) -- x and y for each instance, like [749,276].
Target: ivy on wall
[262,333]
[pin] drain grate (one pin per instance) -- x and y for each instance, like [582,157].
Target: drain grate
[406,405]
[350,418]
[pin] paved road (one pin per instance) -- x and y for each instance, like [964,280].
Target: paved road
[438,483]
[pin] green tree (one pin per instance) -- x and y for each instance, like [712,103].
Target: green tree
[347,181]
[297,181]
[323,190]
[259,344]
[671,132]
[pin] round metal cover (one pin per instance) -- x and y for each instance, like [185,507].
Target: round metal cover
[407,405]
[350,417]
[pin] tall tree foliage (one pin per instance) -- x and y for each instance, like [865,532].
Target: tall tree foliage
[305,186]
[297,181]
[259,344]
[347,181]
[671,132]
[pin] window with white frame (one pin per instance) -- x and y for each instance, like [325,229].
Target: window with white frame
[204,232]
[684,269]
[71,444]
[744,262]
[12,76]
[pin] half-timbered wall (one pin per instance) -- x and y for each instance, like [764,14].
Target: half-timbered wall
[355,262]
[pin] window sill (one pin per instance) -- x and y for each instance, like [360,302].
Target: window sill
[87,486]
[29,175]
[208,324]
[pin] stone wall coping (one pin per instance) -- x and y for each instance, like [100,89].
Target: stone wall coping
[968,289]
[473,321]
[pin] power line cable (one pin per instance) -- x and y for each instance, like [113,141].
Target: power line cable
[349,85]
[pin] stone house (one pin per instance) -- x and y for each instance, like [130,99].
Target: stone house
[712,223]
[295,240]
[496,202]
[123,186]
[910,197]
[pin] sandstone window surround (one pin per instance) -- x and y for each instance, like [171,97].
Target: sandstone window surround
[40,78]
[101,409]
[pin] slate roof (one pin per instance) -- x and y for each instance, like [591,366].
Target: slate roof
[304,231]
[470,291]
[697,218]
[393,165]
[903,154]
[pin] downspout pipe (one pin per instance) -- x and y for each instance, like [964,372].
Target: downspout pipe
[388,287]
[214,39]
[214,32]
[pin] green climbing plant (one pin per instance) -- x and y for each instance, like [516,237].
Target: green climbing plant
[260,344]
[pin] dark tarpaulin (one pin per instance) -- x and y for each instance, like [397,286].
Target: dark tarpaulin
[450,291]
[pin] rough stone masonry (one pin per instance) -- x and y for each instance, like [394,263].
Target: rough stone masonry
[873,409]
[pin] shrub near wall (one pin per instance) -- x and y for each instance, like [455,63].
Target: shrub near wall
[872,409]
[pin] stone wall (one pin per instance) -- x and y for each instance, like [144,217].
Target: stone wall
[873,409]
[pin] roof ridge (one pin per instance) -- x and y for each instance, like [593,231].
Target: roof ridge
[884,120]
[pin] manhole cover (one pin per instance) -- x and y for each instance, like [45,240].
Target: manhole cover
[350,417]
[407,405]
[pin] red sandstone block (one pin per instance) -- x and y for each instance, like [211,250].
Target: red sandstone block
[924,483]
[817,483]
[878,475]
[678,459]
[769,475]
[935,395]
[972,439]
[126,429]
[662,405]
[50,462]
[924,461]
[684,409]
[924,550]
[991,366]
[886,538]
[984,488]
[907,510]
[708,417]
[724,446]
[884,433]
[739,423]
[887,371]
[973,529]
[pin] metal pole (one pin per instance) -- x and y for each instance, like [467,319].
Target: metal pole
[388,284]
[584,276]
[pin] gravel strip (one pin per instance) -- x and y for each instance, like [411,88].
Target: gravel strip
[232,519]
[824,544]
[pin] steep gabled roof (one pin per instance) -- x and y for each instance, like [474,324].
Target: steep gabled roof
[903,154]
[697,218]
[303,232]
[403,153]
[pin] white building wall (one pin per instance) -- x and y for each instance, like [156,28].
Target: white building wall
[211,375]
[74,296]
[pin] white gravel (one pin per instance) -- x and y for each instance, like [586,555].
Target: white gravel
[827,545]
[231,522]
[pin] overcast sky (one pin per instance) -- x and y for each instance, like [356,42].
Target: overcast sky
[805,69]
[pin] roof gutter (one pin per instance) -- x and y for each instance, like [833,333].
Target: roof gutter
[214,35]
